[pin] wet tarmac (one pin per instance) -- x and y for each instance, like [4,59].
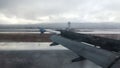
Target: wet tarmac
[38,55]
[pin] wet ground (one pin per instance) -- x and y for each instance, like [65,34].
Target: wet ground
[24,37]
[37,37]
[38,55]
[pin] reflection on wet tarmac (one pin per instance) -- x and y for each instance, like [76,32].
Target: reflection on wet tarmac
[38,55]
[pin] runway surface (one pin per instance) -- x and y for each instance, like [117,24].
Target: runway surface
[38,55]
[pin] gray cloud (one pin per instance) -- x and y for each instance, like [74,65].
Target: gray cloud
[61,10]
[31,8]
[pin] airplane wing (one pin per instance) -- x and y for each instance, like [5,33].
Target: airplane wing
[105,43]
[101,57]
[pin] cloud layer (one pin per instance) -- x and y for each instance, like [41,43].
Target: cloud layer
[37,11]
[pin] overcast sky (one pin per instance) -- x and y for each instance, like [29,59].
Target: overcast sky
[39,11]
